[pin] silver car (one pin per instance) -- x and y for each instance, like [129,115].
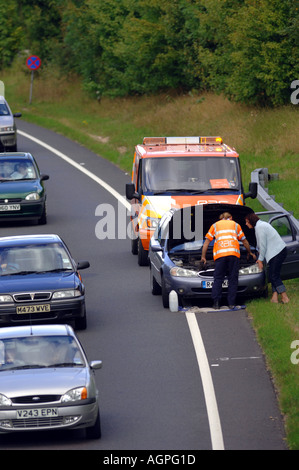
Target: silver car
[8,130]
[46,382]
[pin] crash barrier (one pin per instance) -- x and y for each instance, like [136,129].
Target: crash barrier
[261,176]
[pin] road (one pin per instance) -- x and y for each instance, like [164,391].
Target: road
[157,391]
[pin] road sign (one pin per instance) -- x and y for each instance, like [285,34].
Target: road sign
[33,62]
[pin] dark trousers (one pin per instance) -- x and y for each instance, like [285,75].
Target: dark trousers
[226,265]
[274,266]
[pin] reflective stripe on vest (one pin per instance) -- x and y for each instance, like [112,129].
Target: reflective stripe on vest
[226,235]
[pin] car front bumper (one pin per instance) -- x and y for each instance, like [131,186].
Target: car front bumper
[60,310]
[70,416]
[8,140]
[253,285]
[29,210]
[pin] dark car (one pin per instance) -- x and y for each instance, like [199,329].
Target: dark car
[40,281]
[8,130]
[175,254]
[22,192]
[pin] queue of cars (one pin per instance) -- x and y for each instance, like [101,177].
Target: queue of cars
[46,382]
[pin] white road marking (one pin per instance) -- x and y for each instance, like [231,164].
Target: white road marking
[80,168]
[207,383]
[208,387]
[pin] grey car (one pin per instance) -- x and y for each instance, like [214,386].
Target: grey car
[175,258]
[46,382]
[8,130]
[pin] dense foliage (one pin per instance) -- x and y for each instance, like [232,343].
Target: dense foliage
[246,49]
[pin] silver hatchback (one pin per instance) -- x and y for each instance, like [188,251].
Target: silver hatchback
[8,130]
[46,382]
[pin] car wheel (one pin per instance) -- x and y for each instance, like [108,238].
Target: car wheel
[155,287]
[81,323]
[142,254]
[94,432]
[43,219]
[165,295]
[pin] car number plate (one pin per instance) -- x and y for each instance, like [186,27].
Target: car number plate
[37,413]
[209,284]
[33,309]
[10,207]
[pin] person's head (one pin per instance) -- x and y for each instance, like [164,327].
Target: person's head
[251,220]
[225,216]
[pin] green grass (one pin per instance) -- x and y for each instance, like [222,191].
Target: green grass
[263,138]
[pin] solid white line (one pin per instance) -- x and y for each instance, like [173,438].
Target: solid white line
[210,399]
[80,168]
[207,383]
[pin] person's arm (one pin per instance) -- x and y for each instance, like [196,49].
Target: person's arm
[204,250]
[247,246]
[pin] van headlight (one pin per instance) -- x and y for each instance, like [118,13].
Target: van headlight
[182,272]
[253,269]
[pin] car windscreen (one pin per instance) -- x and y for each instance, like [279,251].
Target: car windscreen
[32,352]
[25,259]
[4,111]
[190,174]
[15,169]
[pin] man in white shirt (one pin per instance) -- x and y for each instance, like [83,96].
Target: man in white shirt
[273,249]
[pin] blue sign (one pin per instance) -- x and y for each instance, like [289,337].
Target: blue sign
[33,62]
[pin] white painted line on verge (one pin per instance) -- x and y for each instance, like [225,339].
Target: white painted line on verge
[80,168]
[210,398]
[207,383]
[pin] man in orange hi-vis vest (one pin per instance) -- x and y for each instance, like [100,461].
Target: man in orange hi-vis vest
[226,253]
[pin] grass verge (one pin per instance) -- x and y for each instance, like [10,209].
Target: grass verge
[263,137]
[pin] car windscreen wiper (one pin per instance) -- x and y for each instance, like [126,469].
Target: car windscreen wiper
[66,364]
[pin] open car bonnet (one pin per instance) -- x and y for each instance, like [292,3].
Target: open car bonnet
[192,223]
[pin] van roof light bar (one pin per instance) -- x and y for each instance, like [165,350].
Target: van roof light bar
[208,140]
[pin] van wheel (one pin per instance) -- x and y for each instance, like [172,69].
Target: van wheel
[142,254]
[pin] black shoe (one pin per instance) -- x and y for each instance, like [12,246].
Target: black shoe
[216,305]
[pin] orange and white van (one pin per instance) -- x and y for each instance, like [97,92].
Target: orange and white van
[173,172]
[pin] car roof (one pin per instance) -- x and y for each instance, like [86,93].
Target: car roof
[33,239]
[20,155]
[36,330]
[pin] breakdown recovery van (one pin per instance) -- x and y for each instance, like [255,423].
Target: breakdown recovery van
[174,172]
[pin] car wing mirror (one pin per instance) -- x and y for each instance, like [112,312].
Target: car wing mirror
[44,177]
[95,365]
[83,264]
[17,115]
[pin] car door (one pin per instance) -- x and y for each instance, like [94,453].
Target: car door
[286,229]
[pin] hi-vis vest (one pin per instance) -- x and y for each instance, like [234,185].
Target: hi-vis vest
[226,234]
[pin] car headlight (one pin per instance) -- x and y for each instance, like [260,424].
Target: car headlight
[6,129]
[6,298]
[32,197]
[252,269]
[182,272]
[76,394]
[64,294]
[4,401]
[152,222]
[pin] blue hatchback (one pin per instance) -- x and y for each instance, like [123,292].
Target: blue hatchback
[40,281]
[22,192]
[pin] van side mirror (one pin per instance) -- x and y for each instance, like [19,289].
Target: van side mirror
[252,191]
[130,191]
